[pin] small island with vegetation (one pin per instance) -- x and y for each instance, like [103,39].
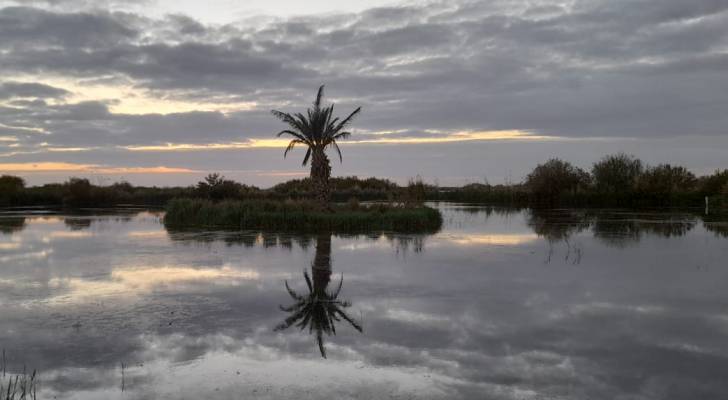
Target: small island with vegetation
[318,130]
[349,204]
[302,216]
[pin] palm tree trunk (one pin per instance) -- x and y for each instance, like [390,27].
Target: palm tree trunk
[320,173]
[321,268]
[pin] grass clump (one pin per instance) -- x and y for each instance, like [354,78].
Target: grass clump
[19,387]
[301,216]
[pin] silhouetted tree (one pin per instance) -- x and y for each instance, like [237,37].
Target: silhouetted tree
[665,179]
[617,173]
[216,187]
[10,188]
[318,130]
[555,177]
[715,183]
[78,191]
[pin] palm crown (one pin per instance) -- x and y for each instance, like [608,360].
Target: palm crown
[318,130]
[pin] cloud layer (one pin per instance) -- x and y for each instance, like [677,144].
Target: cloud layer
[93,78]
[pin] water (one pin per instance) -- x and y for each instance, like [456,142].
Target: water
[501,304]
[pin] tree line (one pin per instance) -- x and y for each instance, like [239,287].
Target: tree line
[615,180]
[80,192]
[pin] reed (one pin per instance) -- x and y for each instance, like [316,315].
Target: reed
[18,387]
[301,216]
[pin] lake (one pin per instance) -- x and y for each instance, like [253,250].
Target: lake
[500,304]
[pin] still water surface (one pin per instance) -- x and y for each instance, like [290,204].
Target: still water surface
[500,304]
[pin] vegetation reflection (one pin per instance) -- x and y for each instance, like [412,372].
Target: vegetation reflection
[320,309]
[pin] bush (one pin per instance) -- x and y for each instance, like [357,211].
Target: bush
[78,192]
[553,178]
[665,180]
[216,187]
[10,188]
[415,193]
[714,184]
[617,173]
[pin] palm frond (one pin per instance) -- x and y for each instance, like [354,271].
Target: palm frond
[292,292]
[319,97]
[338,150]
[335,295]
[350,320]
[342,135]
[308,155]
[308,281]
[348,119]
[292,133]
[289,119]
[320,340]
[292,145]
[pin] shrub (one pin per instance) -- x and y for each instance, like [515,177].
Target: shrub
[617,173]
[10,188]
[665,180]
[415,193]
[216,187]
[714,184]
[555,177]
[77,192]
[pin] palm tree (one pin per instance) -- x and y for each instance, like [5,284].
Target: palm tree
[320,309]
[318,130]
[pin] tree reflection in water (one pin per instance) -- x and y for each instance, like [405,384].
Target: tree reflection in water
[9,225]
[320,309]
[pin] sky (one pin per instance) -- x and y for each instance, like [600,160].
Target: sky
[163,92]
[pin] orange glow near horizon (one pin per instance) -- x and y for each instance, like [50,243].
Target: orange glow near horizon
[126,98]
[507,239]
[380,139]
[31,167]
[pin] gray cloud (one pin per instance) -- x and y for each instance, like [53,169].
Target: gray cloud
[597,68]
[24,90]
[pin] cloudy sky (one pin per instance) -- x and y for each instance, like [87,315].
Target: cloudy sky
[163,92]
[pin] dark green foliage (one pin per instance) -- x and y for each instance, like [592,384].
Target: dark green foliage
[616,173]
[10,188]
[415,193]
[515,195]
[300,216]
[714,184]
[342,189]
[9,183]
[618,181]
[216,187]
[665,180]
[550,180]
[77,192]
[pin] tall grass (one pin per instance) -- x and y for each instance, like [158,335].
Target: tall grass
[18,387]
[300,216]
